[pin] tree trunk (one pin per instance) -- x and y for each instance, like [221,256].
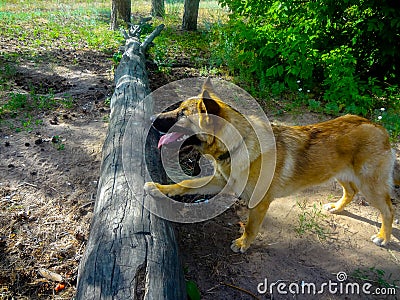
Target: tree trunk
[130,253]
[157,8]
[191,11]
[120,9]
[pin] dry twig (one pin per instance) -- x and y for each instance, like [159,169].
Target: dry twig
[240,289]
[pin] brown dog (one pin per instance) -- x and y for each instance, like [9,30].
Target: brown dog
[351,149]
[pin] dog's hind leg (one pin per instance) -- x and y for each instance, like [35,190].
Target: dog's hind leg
[376,185]
[256,217]
[381,201]
[349,191]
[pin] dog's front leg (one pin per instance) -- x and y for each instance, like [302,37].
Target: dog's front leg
[256,216]
[208,185]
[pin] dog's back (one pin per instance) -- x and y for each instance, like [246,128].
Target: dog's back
[348,147]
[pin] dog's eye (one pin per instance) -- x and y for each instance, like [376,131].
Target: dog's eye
[181,114]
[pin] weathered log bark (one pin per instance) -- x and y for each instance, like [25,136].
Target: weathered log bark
[131,253]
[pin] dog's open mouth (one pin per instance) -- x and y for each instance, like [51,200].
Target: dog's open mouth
[172,137]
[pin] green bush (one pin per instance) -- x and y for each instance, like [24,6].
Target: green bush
[342,57]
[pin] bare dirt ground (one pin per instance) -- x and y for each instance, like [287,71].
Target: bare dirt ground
[48,177]
[48,181]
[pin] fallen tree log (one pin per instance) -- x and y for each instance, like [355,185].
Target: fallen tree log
[130,253]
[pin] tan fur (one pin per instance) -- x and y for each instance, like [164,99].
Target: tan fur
[351,149]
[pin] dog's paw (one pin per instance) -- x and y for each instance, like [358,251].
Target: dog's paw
[152,189]
[332,208]
[239,245]
[379,241]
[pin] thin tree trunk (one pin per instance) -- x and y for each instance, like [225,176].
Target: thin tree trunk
[191,11]
[114,15]
[157,8]
[120,9]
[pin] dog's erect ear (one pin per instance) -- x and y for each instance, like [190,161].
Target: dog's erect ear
[207,85]
[208,103]
[208,106]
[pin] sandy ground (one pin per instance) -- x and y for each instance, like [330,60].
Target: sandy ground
[48,182]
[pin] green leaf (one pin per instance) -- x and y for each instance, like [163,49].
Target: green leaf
[192,290]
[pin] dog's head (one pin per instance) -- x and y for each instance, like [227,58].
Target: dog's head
[192,121]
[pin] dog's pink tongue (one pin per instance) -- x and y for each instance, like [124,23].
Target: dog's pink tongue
[169,138]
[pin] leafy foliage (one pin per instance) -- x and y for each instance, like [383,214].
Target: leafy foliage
[341,56]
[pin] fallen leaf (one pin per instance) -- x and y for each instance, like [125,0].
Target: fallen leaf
[59,287]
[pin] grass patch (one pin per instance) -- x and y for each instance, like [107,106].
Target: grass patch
[41,30]
[19,103]
[7,72]
[311,221]
[28,109]
[51,33]
[177,48]
[180,48]
[377,277]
